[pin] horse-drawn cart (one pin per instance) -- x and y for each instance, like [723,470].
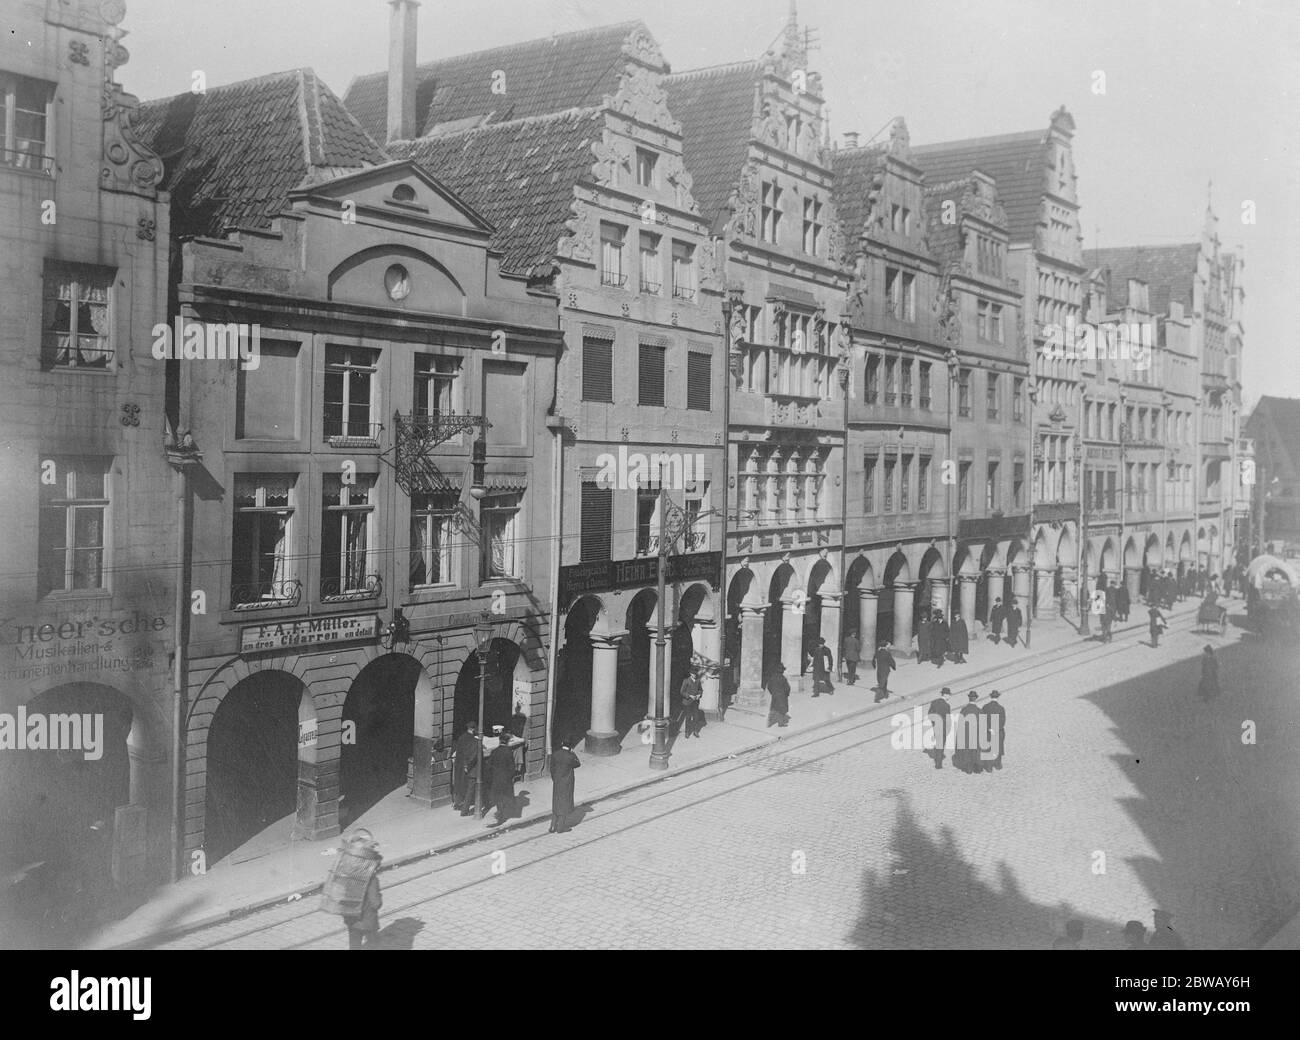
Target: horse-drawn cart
[1273,594]
[1212,614]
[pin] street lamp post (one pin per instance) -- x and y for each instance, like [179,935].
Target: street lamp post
[1081,469]
[1032,393]
[483,644]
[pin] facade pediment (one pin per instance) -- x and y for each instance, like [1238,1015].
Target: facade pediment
[401,189]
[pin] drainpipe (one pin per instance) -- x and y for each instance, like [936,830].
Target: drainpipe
[556,425]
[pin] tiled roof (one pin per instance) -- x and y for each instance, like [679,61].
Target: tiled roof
[1169,272]
[944,238]
[716,109]
[233,153]
[854,170]
[518,175]
[552,74]
[1018,162]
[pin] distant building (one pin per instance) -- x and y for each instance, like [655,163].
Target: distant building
[1274,427]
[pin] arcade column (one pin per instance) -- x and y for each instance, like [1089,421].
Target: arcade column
[602,738]
[941,596]
[1021,577]
[1045,577]
[902,638]
[706,639]
[750,696]
[830,630]
[1070,584]
[1133,579]
[792,637]
[868,605]
[966,594]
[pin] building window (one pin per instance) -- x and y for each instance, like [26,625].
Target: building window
[597,369]
[812,226]
[72,524]
[345,539]
[597,522]
[869,484]
[770,213]
[982,319]
[650,385]
[652,278]
[500,520]
[896,218]
[905,384]
[891,381]
[894,292]
[699,381]
[924,394]
[437,386]
[963,392]
[647,168]
[683,271]
[923,483]
[872,380]
[432,519]
[905,483]
[27,142]
[963,487]
[350,392]
[1018,485]
[995,323]
[992,500]
[647,521]
[611,255]
[1018,400]
[77,319]
[1111,477]
[908,312]
[891,467]
[991,393]
[262,563]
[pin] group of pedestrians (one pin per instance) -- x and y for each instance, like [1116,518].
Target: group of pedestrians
[1110,603]
[1163,936]
[978,735]
[1009,615]
[937,641]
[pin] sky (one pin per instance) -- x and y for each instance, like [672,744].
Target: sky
[1200,99]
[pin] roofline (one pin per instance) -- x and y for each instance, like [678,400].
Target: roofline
[487,127]
[723,67]
[1019,135]
[298,73]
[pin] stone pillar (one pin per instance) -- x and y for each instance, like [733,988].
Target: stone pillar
[1070,583]
[1020,578]
[902,637]
[654,670]
[1133,579]
[966,594]
[941,595]
[1046,579]
[996,577]
[750,696]
[792,637]
[830,629]
[309,824]
[868,604]
[706,638]
[602,738]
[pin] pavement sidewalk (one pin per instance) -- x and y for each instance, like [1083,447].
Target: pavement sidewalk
[408,831]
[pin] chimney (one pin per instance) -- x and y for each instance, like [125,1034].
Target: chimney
[401,70]
[850,138]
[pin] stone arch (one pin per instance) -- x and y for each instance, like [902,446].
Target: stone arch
[1067,549]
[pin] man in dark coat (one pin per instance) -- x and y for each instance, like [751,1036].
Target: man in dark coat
[850,656]
[995,718]
[958,640]
[938,640]
[966,755]
[1122,602]
[884,665]
[691,692]
[778,686]
[563,763]
[1209,674]
[996,616]
[1014,621]
[502,788]
[1157,622]
[923,630]
[939,713]
[822,663]
[463,777]
[1108,618]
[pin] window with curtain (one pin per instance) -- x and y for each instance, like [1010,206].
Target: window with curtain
[346,536]
[72,524]
[262,565]
[432,519]
[500,521]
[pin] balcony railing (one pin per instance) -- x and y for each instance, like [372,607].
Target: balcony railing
[651,287]
[26,159]
[58,351]
[681,292]
[611,278]
[341,590]
[266,595]
[342,433]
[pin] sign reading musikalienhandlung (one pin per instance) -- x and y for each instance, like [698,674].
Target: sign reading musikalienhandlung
[282,635]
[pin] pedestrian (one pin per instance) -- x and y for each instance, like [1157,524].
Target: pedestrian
[939,713]
[563,763]
[464,764]
[351,888]
[1072,937]
[884,665]
[1112,608]
[849,656]
[502,783]
[1123,602]
[923,630]
[1135,935]
[691,692]
[938,640]
[995,717]
[1014,621]
[1209,674]
[996,616]
[778,687]
[519,721]
[822,663]
[966,755]
[1157,623]
[1163,936]
[958,640]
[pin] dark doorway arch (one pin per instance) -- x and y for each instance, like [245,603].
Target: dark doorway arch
[819,576]
[573,669]
[378,733]
[773,623]
[498,705]
[633,693]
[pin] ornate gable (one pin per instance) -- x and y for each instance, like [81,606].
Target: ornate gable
[128,165]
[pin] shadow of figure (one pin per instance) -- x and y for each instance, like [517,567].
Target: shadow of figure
[398,935]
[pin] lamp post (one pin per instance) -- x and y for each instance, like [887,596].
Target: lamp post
[733,310]
[1080,471]
[1032,393]
[483,644]
[954,363]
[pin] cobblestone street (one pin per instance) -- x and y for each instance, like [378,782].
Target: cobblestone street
[1121,791]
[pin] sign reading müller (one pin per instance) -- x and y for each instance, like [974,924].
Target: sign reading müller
[281,635]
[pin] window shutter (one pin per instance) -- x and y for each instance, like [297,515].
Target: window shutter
[651,383]
[699,375]
[597,370]
[597,522]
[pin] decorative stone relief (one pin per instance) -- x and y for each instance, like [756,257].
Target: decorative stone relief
[128,164]
[78,52]
[580,243]
[641,96]
[744,202]
[641,46]
[900,140]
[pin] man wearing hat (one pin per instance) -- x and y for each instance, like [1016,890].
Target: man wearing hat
[502,785]
[464,778]
[351,888]
[995,718]
[966,754]
[849,657]
[884,665]
[1163,937]
[996,616]
[779,688]
[938,713]
[563,763]
[822,662]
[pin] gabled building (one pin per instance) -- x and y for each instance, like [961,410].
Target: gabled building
[576,159]
[89,567]
[369,482]
[755,144]
[1274,426]
[1036,185]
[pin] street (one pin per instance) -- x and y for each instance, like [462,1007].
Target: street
[1122,791]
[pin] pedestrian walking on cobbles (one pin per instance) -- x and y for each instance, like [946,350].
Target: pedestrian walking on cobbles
[958,640]
[778,687]
[463,777]
[850,656]
[1014,620]
[938,640]
[996,616]
[939,713]
[1123,602]
[884,665]
[563,763]
[923,630]
[966,755]
[691,692]
[822,663]
[1209,674]
[995,718]
[1157,624]
[1163,937]
[351,888]
[1108,618]
[502,786]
